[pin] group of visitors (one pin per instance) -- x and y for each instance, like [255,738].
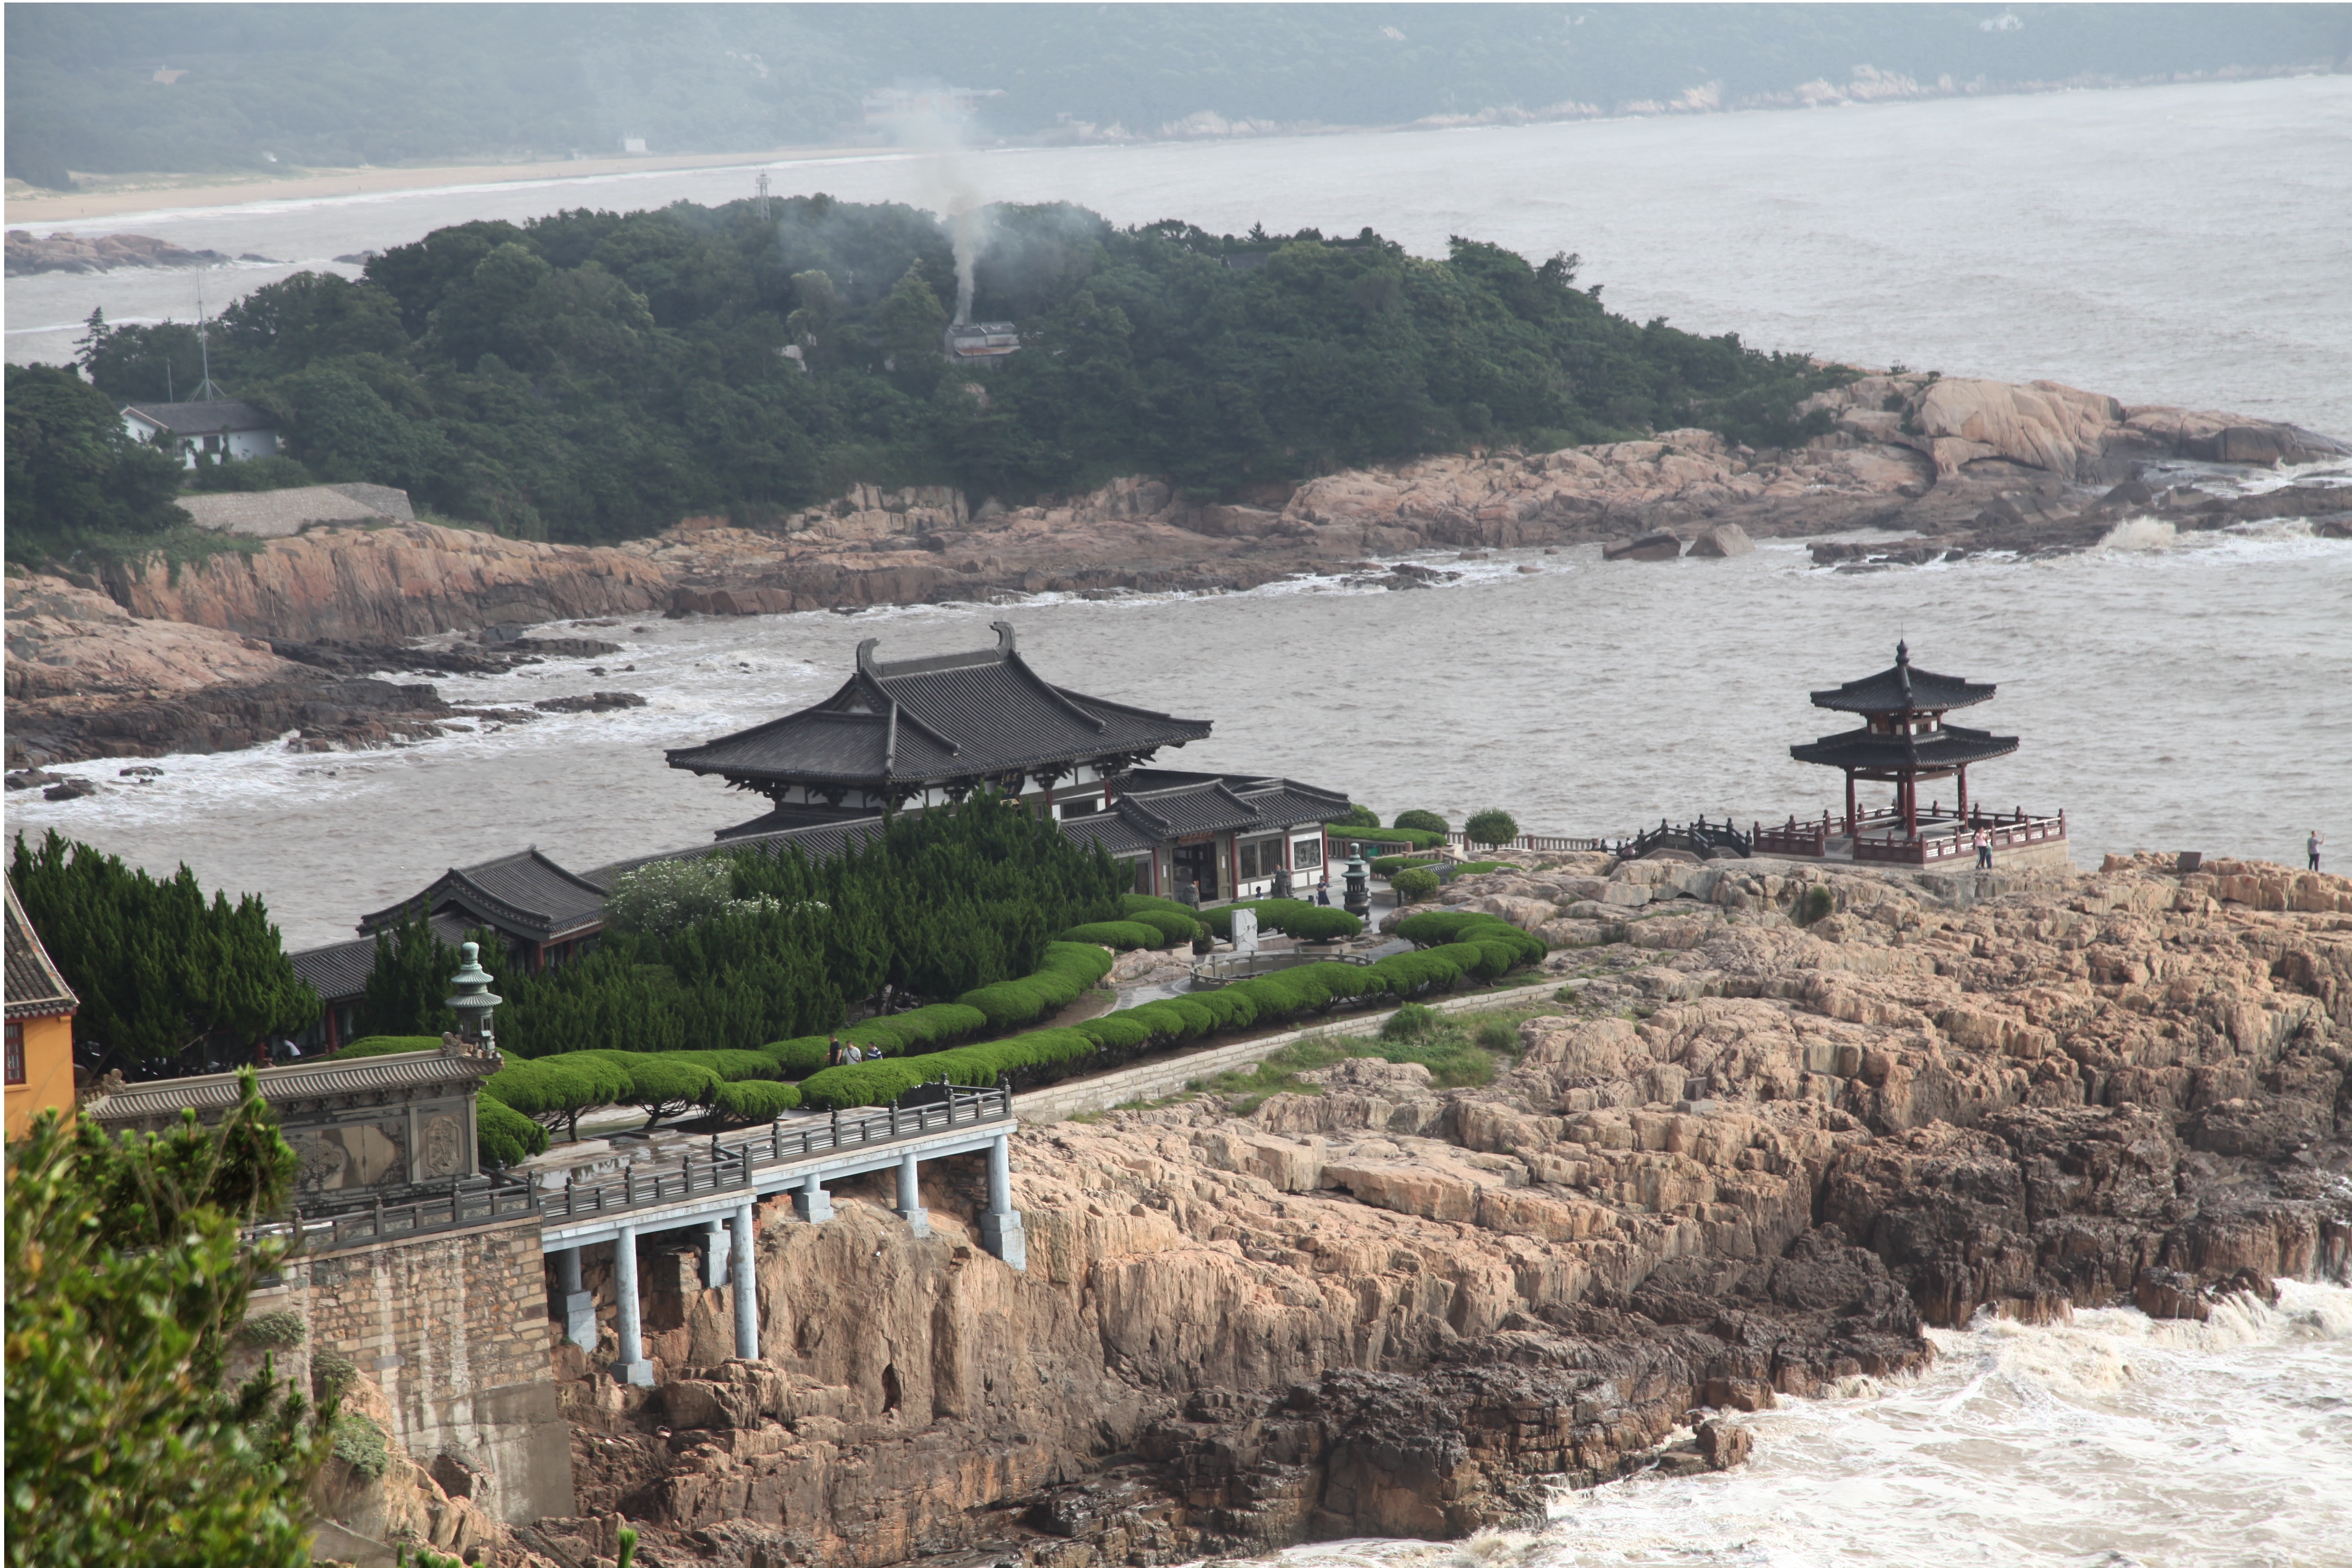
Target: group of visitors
[848,1054]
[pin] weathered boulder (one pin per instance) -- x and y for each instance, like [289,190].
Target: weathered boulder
[1725,539]
[1648,547]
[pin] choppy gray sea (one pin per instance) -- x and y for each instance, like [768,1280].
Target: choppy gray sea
[2182,244]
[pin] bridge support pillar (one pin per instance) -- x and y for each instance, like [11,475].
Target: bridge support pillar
[747,1290]
[1000,1228]
[910,1198]
[579,1306]
[813,1203]
[714,1253]
[631,1366]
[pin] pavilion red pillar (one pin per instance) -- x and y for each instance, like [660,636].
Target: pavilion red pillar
[1964,791]
[1850,825]
[1910,788]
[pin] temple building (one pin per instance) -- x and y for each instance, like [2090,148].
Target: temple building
[41,1007]
[904,735]
[934,731]
[1903,740]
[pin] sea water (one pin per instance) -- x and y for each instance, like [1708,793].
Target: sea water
[2112,1441]
[2192,692]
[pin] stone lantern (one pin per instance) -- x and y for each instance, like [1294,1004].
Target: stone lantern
[1358,897]
[474,1000]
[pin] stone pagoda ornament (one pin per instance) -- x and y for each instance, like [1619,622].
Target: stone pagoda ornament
[473,1002]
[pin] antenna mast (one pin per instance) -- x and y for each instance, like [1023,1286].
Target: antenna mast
[760,202]
[208,392]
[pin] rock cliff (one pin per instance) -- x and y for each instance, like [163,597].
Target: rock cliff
[1744,1162]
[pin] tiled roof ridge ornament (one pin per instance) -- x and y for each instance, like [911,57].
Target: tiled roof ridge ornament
[473,1002]
[1004,630]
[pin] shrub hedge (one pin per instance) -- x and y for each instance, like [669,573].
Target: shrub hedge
[1173,920]
[1480,868]
[1120,936]
[1292,917]
[1414,884]
[1487,951]
[1438,928]
[1387,866]
[755,1099]
[1421,821]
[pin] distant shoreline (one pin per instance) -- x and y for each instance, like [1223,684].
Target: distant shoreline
[158,194]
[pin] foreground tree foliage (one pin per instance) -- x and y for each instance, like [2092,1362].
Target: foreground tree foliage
[168,981]
[595,376]
[126,1279]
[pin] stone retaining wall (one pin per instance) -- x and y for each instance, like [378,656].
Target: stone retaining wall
[452,1327]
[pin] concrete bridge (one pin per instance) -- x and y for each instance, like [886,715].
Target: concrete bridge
[717,1188]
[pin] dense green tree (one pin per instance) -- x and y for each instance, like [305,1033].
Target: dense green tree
[409,986]
[1422,821]
[75,475]
[595,376]
[166,979]
[127,1278]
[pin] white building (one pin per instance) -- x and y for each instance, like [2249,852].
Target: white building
[217,429]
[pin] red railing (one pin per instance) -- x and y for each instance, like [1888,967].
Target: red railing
[1883,836]
[2011,830]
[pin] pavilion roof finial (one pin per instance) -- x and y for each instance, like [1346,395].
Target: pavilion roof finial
[866,662]
[1902,651]
[1004,630]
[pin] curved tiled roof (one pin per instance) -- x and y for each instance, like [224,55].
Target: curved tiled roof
[1950,746]
[339,971]
[526,893]
[951,716]
[35,989]
[1902,688]
[414,1070]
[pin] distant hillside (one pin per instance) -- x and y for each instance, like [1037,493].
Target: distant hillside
[593,376]
[123,88]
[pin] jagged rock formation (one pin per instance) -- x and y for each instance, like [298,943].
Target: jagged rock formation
[1746,1163]
[382,584]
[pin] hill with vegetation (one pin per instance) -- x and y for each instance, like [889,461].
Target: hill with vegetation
[595,376]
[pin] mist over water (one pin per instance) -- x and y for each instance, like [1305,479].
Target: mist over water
[2164,245]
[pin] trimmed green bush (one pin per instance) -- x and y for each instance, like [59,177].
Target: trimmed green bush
[1122,936]
[755,1099]
[1492,826]
[1422,821]
[1387,866]
[1359,815]
[1480,868]
[1414,885]
[668,1087]
[389,1046]
[504,1136]
[731,1066]
[1174,925]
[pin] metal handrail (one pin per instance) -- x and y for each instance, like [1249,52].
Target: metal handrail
[731,1167]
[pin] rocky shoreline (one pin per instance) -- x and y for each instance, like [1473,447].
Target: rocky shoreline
[1736,1159]
[109,663]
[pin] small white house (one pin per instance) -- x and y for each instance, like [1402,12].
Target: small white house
[218,429]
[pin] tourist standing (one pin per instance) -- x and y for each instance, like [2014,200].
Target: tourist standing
[1984,848]
[2316,840]
[833,1057]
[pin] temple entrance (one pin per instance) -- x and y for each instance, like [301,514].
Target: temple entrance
[1198,863]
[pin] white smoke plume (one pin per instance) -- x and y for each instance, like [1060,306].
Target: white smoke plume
[928,119]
